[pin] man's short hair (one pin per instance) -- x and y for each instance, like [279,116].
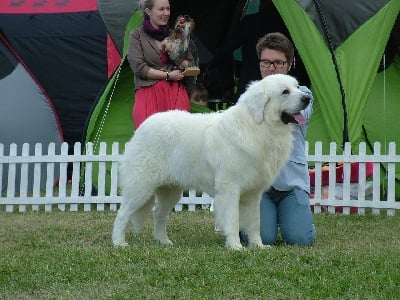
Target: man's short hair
[276,41]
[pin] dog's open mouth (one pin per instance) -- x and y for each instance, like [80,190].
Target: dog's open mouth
[295,119]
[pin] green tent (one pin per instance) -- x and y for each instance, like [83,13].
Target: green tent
[111,119]
[341,44]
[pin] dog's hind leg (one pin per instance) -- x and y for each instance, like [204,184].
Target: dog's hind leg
[141,214]
[167,198]
[132,209]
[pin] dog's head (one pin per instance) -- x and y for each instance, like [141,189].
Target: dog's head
[184,26]
[276,97]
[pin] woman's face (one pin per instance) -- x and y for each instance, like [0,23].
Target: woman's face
[273,62]
[159,14]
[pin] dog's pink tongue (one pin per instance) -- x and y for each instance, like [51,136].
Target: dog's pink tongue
[300,119]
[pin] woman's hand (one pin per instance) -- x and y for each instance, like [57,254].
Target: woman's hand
[175,75]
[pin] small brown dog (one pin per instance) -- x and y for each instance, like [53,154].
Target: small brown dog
[177,43]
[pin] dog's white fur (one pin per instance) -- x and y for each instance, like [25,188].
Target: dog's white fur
[232,155]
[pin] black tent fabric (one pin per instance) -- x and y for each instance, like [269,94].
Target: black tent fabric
[66,46]
[66,51]
[36,121]
[67,55]
[26,114]
[328,16]
[110,12]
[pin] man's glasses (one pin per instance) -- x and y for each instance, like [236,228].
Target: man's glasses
[277,64]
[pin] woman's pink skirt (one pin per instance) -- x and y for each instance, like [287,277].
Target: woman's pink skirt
[162,96]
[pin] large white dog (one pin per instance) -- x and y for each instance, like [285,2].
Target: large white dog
[232,155]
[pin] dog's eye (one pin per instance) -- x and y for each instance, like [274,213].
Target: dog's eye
[285,92]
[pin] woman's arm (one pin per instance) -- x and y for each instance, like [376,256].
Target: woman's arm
[135,55]
[164,75]
[137,61]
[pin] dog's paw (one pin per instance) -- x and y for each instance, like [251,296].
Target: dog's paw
[258,246]
[121,244]
[235,246]
[233,242]
[165,242]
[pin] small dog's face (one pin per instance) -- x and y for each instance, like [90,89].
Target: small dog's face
[184,26]
[177,43]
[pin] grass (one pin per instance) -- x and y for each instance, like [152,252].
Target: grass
[68,255]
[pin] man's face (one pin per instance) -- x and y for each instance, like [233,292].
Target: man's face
[273,62]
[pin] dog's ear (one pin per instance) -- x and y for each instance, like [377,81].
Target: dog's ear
[256,98]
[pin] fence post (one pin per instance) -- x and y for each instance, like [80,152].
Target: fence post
[114,176]
[391,178]
[50,176]
[76,170]
[23,182]
[63,180]
[346,178]
[37,175]
[101,175]
[332,176]
[362,151]
[376,179]
[88,176]
[11,177]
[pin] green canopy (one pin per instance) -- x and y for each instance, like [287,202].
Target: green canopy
[111,118]
[341,44]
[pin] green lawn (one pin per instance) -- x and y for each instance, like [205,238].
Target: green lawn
[68,255]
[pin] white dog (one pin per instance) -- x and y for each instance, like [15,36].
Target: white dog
[232,155]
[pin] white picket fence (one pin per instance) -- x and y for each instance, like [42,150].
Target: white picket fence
[33,179]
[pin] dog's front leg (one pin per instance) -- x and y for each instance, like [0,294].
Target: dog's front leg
[249,209]
[226,205]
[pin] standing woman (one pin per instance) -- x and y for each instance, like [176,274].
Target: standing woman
[156,89]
